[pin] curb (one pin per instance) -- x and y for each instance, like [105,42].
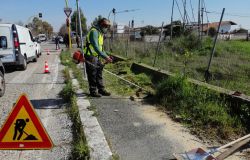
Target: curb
[98,146]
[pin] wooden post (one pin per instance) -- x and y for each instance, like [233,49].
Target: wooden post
[128,40]
[207,74]
[171,30]
[158,44]
[202,11]
[199,19]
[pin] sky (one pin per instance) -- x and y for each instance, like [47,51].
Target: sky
[150,12]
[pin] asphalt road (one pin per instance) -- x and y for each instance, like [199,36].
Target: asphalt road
[42,89]
[130,134]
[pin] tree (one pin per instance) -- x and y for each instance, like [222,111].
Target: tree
[211,31]
[20,23]
[63,30]
[177,29]
[75,23]
[150,30]
[38,26]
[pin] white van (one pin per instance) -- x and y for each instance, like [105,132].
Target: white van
[42,37]
[16,45]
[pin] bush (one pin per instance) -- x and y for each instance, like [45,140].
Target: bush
[212,31]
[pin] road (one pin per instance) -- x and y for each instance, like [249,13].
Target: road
[42,89]
[137,130]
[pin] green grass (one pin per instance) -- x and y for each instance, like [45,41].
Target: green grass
[205,111]
[80,148]
[230,66]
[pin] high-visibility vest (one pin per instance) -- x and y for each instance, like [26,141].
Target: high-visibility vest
[89,49]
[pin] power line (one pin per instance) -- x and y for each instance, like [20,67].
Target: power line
[228,14]
[205,10]
[192,10]
[179,9]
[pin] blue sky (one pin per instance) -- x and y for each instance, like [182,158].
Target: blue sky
[152,12]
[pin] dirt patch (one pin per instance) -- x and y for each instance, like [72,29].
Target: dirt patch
[179,134]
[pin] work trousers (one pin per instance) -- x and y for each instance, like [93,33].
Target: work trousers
[94,69]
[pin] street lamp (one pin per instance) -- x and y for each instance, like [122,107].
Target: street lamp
[115,12]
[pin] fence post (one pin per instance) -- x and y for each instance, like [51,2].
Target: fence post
[207,73]
[158,44]
[127,47]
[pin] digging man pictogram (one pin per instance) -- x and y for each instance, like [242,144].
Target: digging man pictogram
[19,127]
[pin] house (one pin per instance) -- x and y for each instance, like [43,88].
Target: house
[225,26]
[239,34]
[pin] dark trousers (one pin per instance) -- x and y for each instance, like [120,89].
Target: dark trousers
[94,70]
[57,46]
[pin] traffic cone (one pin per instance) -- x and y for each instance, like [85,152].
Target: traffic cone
[46,70]
[48,52]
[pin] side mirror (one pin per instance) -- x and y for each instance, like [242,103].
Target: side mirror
[3,42]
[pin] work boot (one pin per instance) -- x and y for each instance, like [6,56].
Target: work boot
[95,94]
[104,92]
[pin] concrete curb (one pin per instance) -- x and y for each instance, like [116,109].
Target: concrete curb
[98,146]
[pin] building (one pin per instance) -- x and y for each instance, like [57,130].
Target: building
[225,26]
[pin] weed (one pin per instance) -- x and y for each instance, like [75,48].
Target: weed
[80,148]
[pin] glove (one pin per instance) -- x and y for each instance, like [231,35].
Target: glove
[109,59]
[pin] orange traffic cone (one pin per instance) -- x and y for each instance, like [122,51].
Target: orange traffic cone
[48,52]
[46,67]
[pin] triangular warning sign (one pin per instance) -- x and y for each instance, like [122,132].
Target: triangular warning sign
[23,129]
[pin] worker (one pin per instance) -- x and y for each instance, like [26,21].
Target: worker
[94,54]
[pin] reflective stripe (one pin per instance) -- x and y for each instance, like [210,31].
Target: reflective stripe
[91,48]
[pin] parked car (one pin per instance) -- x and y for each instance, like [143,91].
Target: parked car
[38,48]
[17,45]
[2,81]
[42,37]
[60,39]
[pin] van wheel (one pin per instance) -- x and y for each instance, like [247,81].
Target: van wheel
[24,65]
[2,84]
[37,54]
[35,59]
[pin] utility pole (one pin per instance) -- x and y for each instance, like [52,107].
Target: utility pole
[172,14]
[76,21]
[81,37]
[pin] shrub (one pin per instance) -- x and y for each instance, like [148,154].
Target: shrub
[212,31]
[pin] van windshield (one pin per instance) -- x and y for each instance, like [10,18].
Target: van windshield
[6,32]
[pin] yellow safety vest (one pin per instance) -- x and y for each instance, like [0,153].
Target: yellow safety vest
[89,49]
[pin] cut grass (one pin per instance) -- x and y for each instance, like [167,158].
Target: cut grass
[120,87]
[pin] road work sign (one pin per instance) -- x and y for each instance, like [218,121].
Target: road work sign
[23,129]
